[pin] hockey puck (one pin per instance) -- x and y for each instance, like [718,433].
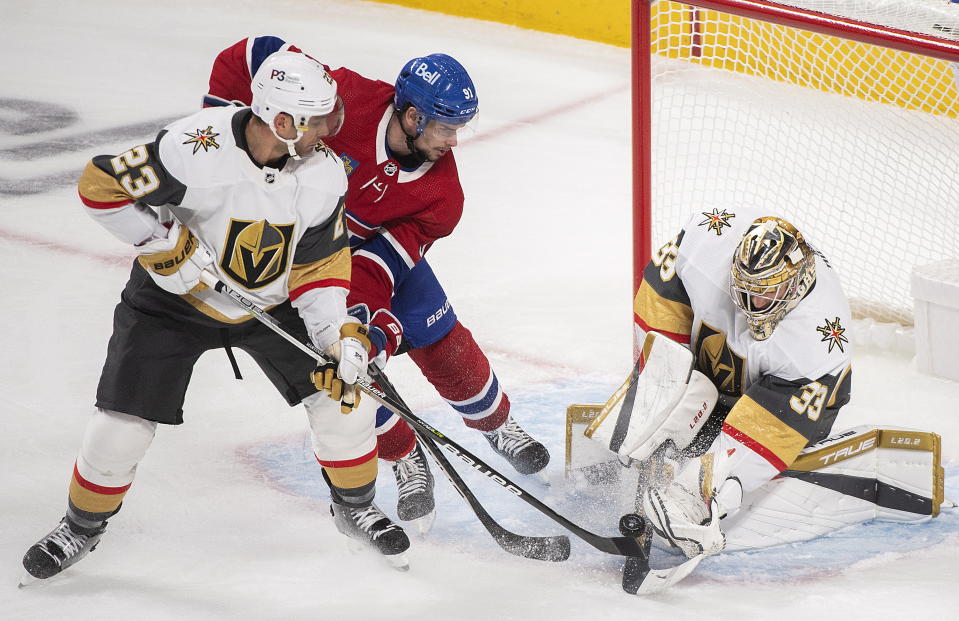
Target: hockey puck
[631,525]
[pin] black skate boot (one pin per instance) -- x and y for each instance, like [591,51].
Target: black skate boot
[522,452]
[370,527]
[63,546]
[414,484]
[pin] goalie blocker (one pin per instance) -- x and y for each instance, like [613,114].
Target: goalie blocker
[853,476]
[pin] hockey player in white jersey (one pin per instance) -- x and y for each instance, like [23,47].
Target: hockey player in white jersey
[259,200]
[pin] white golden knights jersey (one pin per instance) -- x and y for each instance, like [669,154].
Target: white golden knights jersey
[784,392]
[276,233]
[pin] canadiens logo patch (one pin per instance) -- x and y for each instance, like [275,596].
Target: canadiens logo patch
[349,164]
[834,334]
[256,252]
[205,138]
[716,220]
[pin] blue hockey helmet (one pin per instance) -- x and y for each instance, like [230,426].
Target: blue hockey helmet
[439,88]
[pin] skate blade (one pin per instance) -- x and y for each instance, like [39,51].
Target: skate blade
[26,580]
[399,562]
[425,524]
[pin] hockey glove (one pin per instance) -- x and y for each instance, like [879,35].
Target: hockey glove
[351,356]
[385,332]
[175,261]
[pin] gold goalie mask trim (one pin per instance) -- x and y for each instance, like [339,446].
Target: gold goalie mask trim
[773,268]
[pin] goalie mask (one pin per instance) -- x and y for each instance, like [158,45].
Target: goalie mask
[773,268]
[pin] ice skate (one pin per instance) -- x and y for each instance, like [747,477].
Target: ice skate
[59,549]
[414,484]
[368,527]
[524,453]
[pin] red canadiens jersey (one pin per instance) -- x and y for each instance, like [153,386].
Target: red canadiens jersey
[394,215]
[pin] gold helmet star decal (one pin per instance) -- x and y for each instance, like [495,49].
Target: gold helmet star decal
[716,220]
[205,138]
[833,333]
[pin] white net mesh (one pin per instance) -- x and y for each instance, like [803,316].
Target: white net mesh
[857,145]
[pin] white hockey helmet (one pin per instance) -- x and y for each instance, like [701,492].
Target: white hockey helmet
[772,270]
[295,84]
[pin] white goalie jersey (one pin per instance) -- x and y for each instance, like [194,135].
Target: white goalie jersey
[276,233]
[782,393]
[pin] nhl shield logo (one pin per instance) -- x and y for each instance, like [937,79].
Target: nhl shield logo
[390,169]
[256,252]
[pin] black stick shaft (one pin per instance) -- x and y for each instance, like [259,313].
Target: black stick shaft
[622,546]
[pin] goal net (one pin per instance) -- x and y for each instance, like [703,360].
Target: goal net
[840,115]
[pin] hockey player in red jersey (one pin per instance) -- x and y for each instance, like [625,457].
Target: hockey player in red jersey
[257,199]
[404,194]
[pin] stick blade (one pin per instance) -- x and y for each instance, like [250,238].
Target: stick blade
[554,549]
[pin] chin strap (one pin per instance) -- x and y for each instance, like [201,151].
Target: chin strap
[410,139]
[289,143]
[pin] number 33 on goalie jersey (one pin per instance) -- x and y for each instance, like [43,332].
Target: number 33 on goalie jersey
[786,390]
[275,233]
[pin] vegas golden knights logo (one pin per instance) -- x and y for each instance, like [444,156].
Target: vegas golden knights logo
[716,361]
[256,252]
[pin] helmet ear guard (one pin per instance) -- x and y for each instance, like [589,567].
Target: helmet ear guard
[772,270]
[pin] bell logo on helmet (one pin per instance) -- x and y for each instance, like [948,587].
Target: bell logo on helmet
[429,76]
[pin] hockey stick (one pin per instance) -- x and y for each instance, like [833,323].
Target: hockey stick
[622,546]
[555,548]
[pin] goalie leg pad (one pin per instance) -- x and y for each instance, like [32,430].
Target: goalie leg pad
[854,476]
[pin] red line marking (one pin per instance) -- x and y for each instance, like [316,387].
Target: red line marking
[113,260]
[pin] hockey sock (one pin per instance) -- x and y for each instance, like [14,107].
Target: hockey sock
[461,373]
[394,437]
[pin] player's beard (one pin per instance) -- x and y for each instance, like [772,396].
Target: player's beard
[427,155]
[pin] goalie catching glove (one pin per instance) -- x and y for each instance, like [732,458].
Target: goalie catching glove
[686,512]
[175,261]
[350,357]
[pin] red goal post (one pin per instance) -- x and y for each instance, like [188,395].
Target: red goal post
[844,120]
